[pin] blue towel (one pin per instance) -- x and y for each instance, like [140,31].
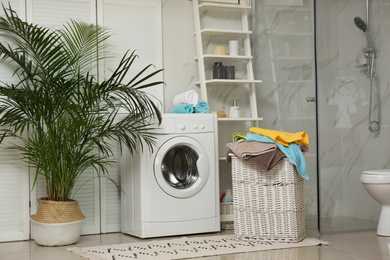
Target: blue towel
[201,107]
[183,108]
[293,152]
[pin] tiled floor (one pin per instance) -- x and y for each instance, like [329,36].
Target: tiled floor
[356,245]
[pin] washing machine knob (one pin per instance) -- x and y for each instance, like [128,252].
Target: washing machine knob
[182,126]
[202,126]
[195,126]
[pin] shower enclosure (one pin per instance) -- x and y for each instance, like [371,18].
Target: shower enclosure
[316,78]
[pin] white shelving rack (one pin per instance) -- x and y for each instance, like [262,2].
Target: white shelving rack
[244,59]
[245,34]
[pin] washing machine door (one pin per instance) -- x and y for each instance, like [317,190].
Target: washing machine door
[181,167]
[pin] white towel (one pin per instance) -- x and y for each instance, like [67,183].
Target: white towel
[188,97]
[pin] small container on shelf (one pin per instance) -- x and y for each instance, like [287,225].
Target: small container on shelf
[221,113]
[230,72]
[220,50]
[234,111]
[218,70]
[233,48]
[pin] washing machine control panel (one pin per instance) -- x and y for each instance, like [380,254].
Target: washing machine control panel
[187,123]
[194,124]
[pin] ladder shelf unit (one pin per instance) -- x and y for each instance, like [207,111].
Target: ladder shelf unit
[234,27]
[200,10]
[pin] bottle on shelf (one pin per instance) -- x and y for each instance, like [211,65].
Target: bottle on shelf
[234,111]
[221,113]
[218,70]
[228,196]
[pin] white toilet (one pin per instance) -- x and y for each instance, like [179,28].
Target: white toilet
[377,183]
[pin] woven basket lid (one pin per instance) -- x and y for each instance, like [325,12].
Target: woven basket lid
[57,211]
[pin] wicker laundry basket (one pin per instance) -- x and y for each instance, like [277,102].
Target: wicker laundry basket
[268,205]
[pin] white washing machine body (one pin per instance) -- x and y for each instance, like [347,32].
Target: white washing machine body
[173,190]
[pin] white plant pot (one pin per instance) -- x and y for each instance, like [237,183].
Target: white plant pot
[56,234]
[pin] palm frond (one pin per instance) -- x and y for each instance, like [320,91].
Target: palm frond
[63,117]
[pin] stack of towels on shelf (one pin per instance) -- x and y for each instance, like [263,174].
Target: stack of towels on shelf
[266,148]
[188,102]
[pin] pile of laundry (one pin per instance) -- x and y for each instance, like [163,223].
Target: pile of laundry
[266,148]
[188,102]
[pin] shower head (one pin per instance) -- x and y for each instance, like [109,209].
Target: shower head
[360,24]
[363,26]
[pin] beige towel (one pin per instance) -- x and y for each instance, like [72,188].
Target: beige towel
[265,161]
[247,150]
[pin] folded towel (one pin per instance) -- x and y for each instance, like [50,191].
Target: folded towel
[265,161]
[293,152]
[283,138]
[245,150]
[201,107]
[188,97]
[183,108]
[238,137]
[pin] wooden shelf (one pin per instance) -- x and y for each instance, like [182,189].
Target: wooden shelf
[230,81]
[214,32]
[225,57]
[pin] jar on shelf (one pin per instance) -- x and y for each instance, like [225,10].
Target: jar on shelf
[221,113]
[218,70]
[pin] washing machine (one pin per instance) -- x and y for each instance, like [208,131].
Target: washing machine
[173,190]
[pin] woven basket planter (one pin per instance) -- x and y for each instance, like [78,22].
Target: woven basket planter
[57,211]
[57,223]
[268,205]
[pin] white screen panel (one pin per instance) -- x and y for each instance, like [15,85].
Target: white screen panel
[54,13]
[14,177]
[14,196]
[111,199]
[135,25]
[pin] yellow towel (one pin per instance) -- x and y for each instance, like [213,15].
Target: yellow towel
[283,138]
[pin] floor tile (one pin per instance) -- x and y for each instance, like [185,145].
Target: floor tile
[343,246]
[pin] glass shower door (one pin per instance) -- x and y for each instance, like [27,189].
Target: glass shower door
[346,146]
[284,35]
[284,60]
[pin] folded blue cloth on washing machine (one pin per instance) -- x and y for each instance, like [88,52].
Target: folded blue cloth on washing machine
[201,107]
[293,152]
[183,108]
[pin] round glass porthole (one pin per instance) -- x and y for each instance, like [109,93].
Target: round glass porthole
[179,167]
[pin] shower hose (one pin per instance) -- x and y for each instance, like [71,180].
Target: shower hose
[374,125]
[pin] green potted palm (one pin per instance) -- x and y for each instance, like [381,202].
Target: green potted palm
[64,120]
